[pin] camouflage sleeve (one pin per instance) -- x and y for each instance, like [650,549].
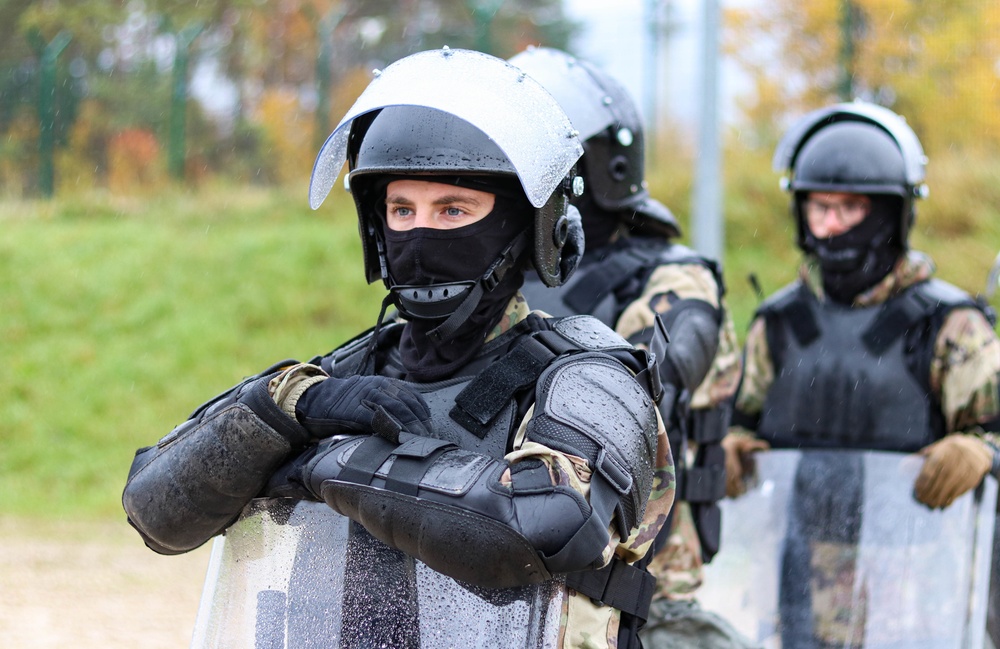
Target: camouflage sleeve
[574,472]
[758,371]
[965,372]
[695,282]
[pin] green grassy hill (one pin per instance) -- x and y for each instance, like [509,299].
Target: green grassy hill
[119,315]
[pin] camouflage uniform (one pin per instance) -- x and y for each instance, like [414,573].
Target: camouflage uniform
[676,619]
[964,378]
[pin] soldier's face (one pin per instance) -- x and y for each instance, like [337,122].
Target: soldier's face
[829,214]
[422,204]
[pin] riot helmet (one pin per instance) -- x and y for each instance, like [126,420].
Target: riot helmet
[854,148]
[502,123]
[857,148]
[610,126]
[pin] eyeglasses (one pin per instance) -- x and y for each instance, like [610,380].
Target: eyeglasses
[849,212]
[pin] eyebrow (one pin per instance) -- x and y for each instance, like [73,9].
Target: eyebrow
[444,200]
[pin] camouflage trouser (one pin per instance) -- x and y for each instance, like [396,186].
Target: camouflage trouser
[685,625]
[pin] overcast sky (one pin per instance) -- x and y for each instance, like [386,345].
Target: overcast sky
[617,39]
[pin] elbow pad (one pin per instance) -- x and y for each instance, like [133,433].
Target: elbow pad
[197,479]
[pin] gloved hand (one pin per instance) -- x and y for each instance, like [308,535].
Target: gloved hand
[739,448]
[288,481]
[953,465]
[364,404]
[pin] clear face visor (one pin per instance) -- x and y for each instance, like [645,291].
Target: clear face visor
[572,85]
[510,107]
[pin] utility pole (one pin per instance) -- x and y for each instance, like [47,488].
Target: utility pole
[707,218]
[651,9]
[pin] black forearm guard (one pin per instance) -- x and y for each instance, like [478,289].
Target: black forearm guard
[196,480]
[447,506]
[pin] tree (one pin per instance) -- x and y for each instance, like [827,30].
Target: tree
[935,61]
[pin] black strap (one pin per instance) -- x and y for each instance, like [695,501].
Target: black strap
[410,462]
[507,261]
[600,280]
[895,319]
[594,531]
[703,484]
[709,425]
[366,460]
[618,585]
[490,392]
[802,320]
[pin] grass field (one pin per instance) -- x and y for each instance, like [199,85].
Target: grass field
[119,315]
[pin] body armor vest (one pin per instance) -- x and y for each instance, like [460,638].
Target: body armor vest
[480,408]
[855,377]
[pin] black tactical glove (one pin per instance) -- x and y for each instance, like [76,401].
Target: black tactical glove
[363,404]
[289,481]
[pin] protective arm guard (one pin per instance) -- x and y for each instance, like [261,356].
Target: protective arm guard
[693,326]
[197,479]
[448,507]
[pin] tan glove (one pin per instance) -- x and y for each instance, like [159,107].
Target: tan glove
[953,465]
[739,447]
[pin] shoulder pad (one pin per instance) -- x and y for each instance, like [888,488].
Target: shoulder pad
[781,299]
[591,406]
[944,294]
[589,333]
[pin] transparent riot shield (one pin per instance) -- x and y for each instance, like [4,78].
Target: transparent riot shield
[830,549]
[297,575]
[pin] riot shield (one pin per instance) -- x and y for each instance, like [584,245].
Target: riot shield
[295,574]
[830,549]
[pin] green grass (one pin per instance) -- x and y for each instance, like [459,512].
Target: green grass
[119,315]
[118,318]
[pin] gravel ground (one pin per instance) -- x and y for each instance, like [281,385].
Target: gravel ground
[90,585]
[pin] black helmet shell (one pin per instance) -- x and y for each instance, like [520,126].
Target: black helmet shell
[858,148]
[609,123]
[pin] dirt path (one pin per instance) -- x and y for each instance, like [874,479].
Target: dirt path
[93,585]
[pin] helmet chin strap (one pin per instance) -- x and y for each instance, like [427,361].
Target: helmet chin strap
[456,301]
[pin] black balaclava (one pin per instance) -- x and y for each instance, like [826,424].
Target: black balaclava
[427,256]
[852,262]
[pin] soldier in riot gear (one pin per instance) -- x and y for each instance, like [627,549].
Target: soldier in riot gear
[454,434]
[632,274]
[866,350]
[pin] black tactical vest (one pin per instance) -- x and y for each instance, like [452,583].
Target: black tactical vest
[604,287]
[855,377]
[481,407]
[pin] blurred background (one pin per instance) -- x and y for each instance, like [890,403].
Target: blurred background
[156,240]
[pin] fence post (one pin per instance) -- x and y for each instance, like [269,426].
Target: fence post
[48,53]
[178,101]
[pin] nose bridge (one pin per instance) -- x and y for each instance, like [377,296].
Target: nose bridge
[831,222]
[424,214]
